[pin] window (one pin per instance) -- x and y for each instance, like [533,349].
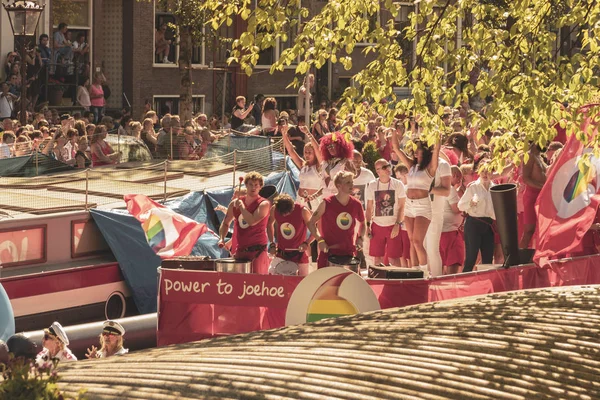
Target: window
[401,22]
[345,82]
[164,20]
[77,14]
[285,101]
[373,21]
[269,56]
[25,246]
[169,104]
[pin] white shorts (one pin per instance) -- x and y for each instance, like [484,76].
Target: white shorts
[418,208]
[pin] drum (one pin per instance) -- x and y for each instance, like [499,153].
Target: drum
[268,192]
[233,265]
[349,262]
[280,266]
[383,272]
[198,263]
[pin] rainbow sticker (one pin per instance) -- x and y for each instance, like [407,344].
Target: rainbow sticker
[155,232]
[344,221]
[287,230]
[329,293]
[326,303]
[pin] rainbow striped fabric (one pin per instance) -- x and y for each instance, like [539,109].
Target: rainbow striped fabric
[326,302]
[579,182]
[155,233]
[168,233]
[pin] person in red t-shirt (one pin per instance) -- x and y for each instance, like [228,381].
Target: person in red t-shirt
[289,241]
[339,215]
[249,214]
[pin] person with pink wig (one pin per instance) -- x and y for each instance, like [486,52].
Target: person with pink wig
[337,155]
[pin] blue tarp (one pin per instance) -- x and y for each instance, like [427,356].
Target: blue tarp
[7,318]
[137,260]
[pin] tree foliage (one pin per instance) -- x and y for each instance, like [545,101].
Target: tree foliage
[512,55]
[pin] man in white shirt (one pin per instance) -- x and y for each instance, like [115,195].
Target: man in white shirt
[452,244]
[362,178]
[479,225]
[6,101]
[385,213]
[440,190]
[304,95]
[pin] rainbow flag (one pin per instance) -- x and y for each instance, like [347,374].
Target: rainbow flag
[155,232]
[579,182]
[168,233]
[326,302]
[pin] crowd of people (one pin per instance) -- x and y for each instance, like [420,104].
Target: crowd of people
[76,140]
[423,205]
[61,64]
[418,205]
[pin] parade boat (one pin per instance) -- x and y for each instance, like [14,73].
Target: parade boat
[58,267]
[55,263]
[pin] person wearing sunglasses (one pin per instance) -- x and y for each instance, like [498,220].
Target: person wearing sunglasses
[55,342]
[385,210]
[111,341]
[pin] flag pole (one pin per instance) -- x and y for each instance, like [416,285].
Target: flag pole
[165,182]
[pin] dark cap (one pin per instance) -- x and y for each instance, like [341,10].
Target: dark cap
[64,116]
[22,346]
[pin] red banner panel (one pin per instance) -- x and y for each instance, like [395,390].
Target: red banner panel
[195,305]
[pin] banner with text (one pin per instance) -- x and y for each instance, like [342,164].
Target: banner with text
[196,305]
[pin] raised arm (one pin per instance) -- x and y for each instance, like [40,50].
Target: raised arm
[258,215]
[314,142]
[435,158]
[243,114]
[291,150]
[399,152]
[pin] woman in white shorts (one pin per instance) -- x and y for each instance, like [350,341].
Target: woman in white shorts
[417,210]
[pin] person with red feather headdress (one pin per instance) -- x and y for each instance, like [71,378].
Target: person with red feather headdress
[337,155]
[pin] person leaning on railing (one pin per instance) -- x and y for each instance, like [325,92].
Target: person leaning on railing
[186,146]
[7,145]
[102,153]
[23,146]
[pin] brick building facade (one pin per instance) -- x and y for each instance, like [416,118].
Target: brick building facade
[121,35]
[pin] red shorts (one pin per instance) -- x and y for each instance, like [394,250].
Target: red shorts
[452,248]
[529,197]
[405,245]
[381,244]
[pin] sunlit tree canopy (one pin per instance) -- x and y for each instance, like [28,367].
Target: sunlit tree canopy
[514,66]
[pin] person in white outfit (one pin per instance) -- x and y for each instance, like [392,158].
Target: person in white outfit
[55,342]
[440,191]
[111,341]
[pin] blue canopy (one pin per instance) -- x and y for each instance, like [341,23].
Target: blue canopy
[137,260]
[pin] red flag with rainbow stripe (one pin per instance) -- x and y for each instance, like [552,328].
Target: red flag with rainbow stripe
[567,204]
[168,233]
